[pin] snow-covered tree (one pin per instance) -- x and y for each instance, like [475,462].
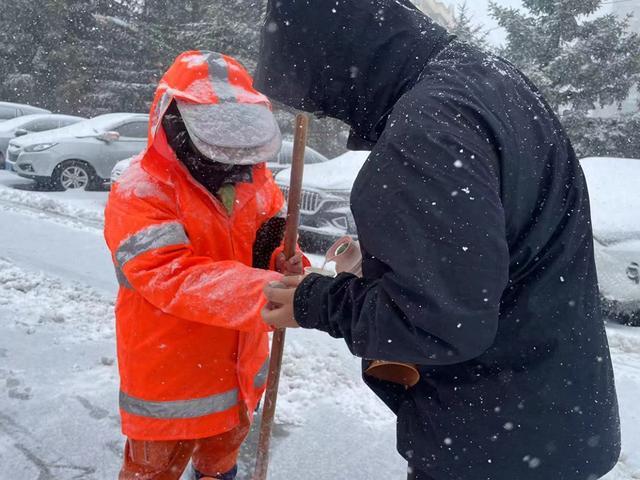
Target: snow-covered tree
[580,60]
[90,57]
[71,56]
[465,28]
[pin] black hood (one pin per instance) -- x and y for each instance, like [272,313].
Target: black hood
[347,59]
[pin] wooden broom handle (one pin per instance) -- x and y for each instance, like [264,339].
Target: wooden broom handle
[295,186]
[277,345]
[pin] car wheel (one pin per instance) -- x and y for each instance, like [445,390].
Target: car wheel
[73,175]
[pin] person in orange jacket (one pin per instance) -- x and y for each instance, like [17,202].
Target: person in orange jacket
[194,226]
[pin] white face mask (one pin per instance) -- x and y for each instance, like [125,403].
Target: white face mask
[232,133]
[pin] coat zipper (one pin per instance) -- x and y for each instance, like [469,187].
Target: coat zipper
[219,206]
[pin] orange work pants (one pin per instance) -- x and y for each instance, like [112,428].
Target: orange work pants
[167,460]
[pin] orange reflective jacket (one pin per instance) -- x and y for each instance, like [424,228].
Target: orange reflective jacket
[192,348]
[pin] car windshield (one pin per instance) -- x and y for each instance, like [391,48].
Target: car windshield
[97,124]
[310,155]
[18,122]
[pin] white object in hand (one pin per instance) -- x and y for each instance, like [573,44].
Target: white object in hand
[347,256]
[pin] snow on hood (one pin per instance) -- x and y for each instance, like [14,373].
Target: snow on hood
[614,189]
[203,78]
[87,128]
[337,174]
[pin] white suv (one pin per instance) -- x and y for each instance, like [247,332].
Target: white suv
[80,155]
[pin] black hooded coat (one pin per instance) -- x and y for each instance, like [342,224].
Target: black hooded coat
[473,217]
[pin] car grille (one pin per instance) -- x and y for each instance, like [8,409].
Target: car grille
[310,202]
[13,156]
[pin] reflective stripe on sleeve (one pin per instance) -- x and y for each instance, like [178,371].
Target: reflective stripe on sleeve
[151,238]
[219,77]
[122,279]
[178,409]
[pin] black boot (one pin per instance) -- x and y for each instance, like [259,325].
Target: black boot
[230,475]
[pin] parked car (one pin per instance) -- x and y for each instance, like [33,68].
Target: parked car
[615,203]
[615,206]
[10,110]
[282,162]
[284,158]
[325,213]
[80,155]
[26,124]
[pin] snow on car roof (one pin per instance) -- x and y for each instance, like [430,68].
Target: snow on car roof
[614,189]
[336,174]
[86,128]
[99,123]
[24,106]
[17,122]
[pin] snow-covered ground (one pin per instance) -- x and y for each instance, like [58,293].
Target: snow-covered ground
[58,378]
[78,208]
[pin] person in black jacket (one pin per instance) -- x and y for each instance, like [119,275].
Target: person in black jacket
[473,218]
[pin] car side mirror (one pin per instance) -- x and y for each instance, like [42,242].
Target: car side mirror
[20,132]
[109,137]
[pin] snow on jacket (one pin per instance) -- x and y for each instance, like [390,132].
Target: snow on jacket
[192,348]
[473,217]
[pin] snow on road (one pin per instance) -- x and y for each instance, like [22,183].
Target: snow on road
[76,208]
[56,249]
[58,399]
[58,377]
[625,350]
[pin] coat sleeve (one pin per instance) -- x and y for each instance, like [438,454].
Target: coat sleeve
[430,219]
[153,255]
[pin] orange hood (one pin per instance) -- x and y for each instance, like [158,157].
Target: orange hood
[203,78]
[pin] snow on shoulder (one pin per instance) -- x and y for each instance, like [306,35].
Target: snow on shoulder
[134,181]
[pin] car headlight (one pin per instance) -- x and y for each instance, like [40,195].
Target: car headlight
[39,147]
